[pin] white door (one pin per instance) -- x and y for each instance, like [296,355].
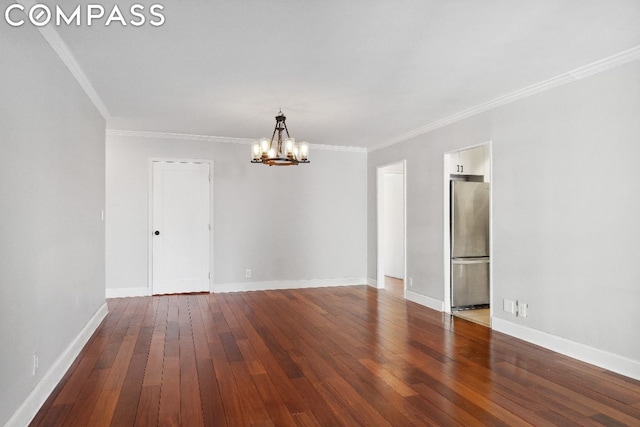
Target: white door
[180,227]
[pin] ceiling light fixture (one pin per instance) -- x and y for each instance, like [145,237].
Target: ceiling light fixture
[285,152]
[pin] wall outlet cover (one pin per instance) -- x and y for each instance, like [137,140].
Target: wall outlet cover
[35,364]
[508,306]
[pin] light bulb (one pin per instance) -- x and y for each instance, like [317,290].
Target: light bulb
[256,151]
[264,145]
[304,151]
[289,143]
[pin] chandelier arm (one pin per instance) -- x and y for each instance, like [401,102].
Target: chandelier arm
[281,125]
[272,136]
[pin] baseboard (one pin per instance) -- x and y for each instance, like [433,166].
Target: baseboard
[32,404]
[127,292]
[372,282]
[250,286]
[288,284]
[612,362]
[428,302]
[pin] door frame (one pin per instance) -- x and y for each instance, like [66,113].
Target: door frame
[446,238]
[379,222]
[153,160]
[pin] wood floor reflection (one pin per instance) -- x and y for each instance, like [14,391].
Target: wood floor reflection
[394,286]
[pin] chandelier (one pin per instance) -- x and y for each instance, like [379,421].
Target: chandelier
[281,151]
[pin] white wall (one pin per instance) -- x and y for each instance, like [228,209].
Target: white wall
[306,222]
[393,228]
[565,190]
[51,232]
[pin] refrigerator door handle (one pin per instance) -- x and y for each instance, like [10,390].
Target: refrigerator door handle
[459,261]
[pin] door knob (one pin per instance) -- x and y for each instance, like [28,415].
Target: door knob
[157,233]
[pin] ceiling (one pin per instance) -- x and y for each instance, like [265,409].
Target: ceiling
[353,73]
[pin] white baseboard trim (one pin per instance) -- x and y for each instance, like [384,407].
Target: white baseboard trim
[32,404]
[428,302]
[127,292]
[288,284]
[585,353]
[372,282]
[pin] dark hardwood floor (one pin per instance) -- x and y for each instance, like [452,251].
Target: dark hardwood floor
[332,356]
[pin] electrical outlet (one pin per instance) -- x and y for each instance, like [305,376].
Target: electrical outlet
[523,309]
[35,364]
[247,273]
[411,282]
[508,306]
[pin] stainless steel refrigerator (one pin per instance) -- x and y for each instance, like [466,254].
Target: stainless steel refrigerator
[469,244]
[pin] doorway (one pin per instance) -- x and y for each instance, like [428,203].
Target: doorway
[467,234]
[391,209]
[180,227]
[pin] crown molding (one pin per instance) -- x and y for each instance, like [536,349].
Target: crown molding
[176,136]
[607,63]
[599,66]
[217,139]
[343,148]
[60,48]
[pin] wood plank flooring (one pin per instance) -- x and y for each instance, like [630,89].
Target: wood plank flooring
[329,357]
[478,315]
